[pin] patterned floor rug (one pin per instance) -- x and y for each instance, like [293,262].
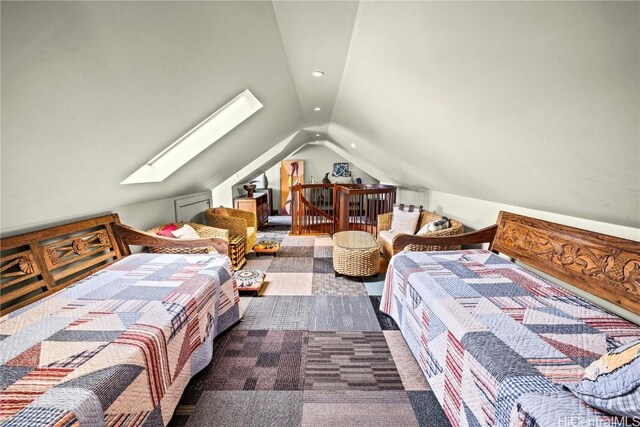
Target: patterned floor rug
[312,350]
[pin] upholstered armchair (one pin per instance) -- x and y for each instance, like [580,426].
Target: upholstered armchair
[387,239]
[239,223]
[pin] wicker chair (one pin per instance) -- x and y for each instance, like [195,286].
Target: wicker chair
[238,223]
[388,248]
[203,231]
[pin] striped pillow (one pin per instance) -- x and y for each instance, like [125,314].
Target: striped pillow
[407,208]
[612,383]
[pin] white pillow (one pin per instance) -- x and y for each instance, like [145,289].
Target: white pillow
[404,222]
[185,232]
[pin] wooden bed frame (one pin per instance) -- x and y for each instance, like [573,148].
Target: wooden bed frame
[37,264]
[605,266]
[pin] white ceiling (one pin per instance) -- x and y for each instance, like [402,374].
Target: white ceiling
[316,36]
[533,104]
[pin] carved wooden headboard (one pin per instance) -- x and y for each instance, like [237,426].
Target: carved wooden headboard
[36,264]
[605,266]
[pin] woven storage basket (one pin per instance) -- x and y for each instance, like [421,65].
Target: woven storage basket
[203,231]
[355,254]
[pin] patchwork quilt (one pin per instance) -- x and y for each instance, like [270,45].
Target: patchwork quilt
[497,342]
[117,348]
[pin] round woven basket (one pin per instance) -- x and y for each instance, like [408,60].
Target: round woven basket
[202,230]
[356,261]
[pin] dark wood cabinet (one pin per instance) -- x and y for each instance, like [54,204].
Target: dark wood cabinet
[258,204]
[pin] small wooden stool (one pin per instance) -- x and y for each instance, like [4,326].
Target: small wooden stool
[266,247]
[249,280]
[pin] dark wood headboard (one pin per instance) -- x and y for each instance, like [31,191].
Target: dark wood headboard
[36,264]
[605,266]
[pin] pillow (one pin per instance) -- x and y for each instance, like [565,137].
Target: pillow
[185,232]
[404,222]
[220,211]
[612,383]
[166,230]
[407,208]
[441,224]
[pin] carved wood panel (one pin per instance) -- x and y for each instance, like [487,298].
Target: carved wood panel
[606,266]
[36,264]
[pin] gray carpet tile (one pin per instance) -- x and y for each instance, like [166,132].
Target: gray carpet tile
[351,408]
[427,409]
[290,265]
[342,313]
[323,251]
[350,361]
[248,409]
[299,241]
[386,322]
[295,251]
[323,265]
[329,284]
[277,312]
[256,360]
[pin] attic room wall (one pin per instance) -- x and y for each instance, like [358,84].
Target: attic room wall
[318,160]
[532,104]
[93,90]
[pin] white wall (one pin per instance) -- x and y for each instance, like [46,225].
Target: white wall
[318,160]
[527,103]
[93,90]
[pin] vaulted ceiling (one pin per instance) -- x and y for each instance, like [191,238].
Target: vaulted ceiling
[534,104]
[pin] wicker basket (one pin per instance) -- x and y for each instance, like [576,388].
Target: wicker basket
[355,253]
[204,231]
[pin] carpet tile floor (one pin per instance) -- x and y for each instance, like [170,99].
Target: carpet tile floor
[311,350]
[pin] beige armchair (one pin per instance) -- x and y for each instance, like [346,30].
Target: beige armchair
[388,242]
[239,223]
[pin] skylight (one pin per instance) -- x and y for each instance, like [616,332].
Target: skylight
[197,139]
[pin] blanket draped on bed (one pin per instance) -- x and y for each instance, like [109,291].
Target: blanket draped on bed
[118,347]
[496,341]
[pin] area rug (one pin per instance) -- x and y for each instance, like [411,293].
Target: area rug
[311,350]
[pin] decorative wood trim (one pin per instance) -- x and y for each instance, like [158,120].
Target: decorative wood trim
[51,259]
[133,236]
[605,266]
[484,235]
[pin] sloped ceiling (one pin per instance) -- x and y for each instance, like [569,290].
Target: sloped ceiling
[533,104]
[91,90]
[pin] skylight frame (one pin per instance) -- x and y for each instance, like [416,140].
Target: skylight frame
[192,143]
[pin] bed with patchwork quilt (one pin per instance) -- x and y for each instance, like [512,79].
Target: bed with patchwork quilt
[119,346]
[497,343]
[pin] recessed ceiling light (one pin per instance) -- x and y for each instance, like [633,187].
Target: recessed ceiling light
[317,109]
[317,73]
[353,145]
[317,134]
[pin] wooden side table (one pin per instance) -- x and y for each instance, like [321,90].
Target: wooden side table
[237,251]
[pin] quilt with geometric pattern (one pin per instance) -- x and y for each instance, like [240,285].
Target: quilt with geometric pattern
[117,348]
[496,342]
